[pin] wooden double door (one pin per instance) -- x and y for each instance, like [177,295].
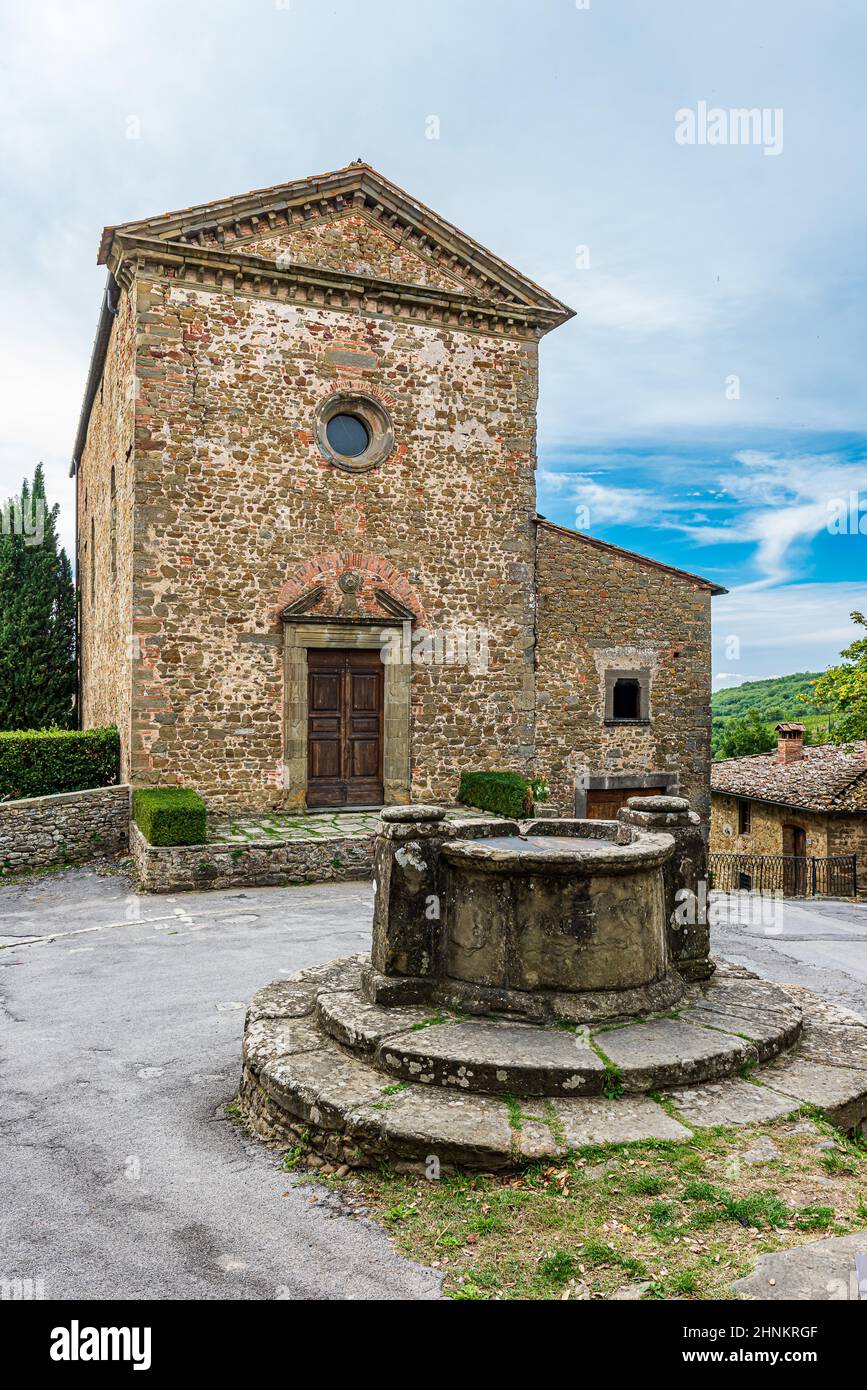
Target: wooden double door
[344,728]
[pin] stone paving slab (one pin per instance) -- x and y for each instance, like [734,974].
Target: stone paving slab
[495,1057]
[731,1102]
[841,1092]
[667,1052]
[296,996]
[765,1013]
[420,1124]
[276,825]
[821,1271]
[769,1035]
[624,1121]
[324,1087]
[263,826]
[267,1040]
[362,1026]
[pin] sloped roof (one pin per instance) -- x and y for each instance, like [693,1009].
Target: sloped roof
[228,222]
[829,777]
[632,555]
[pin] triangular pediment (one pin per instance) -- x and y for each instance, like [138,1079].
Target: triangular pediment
[352,242]
[355,222]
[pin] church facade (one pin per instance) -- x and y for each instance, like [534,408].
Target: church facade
[311,569]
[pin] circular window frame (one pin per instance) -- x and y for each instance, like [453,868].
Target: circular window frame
[373,416]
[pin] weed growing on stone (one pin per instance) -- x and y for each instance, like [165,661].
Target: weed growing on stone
[293,1158]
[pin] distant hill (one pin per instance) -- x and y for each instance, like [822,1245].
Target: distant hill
[776,700]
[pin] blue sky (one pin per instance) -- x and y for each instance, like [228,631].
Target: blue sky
[706,406]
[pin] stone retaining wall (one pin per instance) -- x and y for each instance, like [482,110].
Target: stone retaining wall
[42,831]
[187,868]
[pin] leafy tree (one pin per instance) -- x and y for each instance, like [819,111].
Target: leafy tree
[844,689]
[37,614]
[746,735]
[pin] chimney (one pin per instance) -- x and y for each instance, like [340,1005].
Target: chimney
[790,742]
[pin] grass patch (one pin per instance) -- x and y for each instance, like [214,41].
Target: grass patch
[835,1162]
[645,1185]
[686,1218]
[814,1218]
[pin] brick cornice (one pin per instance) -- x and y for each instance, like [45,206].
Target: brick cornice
[218,270]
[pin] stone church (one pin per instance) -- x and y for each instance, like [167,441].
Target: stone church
[311,569]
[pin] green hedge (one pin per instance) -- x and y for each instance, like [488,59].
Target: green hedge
[506,793]
[169,815]
[43,762]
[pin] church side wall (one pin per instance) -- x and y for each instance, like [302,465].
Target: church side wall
[600,612]
[105,528]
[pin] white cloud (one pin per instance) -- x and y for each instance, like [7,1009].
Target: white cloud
[793,627]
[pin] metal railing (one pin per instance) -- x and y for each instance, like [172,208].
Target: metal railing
[793,875]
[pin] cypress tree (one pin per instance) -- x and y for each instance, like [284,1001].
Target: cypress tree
[37,615]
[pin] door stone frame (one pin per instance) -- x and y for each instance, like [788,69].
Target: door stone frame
[298,639]
[666,783]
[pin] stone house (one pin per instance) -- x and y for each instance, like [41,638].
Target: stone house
[806,801]
[311,570]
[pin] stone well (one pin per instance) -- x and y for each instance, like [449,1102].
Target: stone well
[525,995]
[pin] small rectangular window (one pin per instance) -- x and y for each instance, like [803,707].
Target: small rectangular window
[627,699]
[744,818]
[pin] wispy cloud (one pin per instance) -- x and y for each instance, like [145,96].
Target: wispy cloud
[782,502]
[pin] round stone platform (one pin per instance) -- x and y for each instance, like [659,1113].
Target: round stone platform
[359,1082]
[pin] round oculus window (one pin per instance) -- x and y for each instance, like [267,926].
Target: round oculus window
[354,431]
[348,435]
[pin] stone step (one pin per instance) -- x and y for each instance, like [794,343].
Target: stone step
[727,1027]
[497,1057]
[340,1096]
[338,1091]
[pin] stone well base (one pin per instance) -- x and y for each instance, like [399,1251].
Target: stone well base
[358,1083]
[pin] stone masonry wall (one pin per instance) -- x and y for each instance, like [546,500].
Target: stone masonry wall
[233,495]
[287,863]
[70,828]
[105,537]
[826,835]
[600,609]
[848,835]
[766,828]
[351,244]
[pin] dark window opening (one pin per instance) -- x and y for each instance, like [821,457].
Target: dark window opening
[744,818]
[745,882]
[348,435]
[627,700]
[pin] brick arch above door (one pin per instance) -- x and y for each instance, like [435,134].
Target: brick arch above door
[348,586]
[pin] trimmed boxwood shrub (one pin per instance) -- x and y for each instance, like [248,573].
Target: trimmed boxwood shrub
[170,815]
[505,793]
[44,762]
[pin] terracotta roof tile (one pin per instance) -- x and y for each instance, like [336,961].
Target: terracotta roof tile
[828,778]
